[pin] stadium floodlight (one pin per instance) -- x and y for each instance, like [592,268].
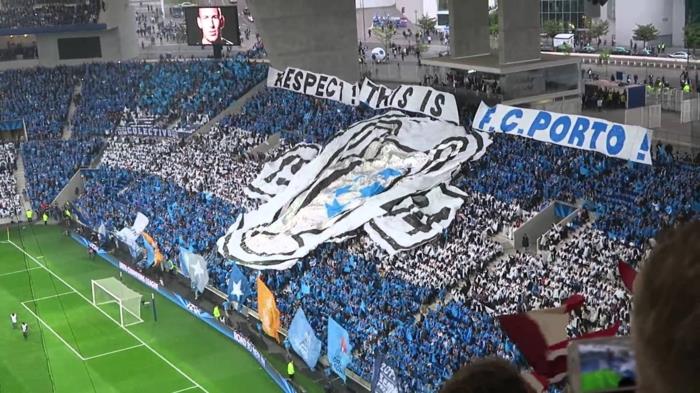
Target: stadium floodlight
[111,290]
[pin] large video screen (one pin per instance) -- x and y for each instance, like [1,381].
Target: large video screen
[212,25]
[79,48]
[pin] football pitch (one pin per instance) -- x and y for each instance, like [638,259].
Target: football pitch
[76,346]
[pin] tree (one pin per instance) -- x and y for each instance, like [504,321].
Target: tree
[493,23]
[598,29]
[385,35]
[692,36]
[551,28]
[646,33]
[427,24]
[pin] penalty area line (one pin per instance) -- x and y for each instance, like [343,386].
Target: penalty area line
[113,352]
[59,278]
[186,389]
[19,271]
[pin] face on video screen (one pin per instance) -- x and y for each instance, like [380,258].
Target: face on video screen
[210,21]
[212,25]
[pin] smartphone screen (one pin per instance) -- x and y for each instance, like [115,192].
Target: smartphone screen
[604,365]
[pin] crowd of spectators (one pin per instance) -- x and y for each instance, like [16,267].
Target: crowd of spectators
[181,92]
[585,263]
[295,116]
[431,309]
[106,90]
[49,165]
[177,218]
[152,27]
[9,195]
[341,283]
[40,97]
[34,13]
[464,248]
[217,163]
[633,200]
[426,353]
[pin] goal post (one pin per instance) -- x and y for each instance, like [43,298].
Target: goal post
[111,290]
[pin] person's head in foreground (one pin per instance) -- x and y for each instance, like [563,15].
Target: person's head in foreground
[666,314]
[489,375]
[210,21]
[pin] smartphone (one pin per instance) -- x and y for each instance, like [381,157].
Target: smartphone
[602,365]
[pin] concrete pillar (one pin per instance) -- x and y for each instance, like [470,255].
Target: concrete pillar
[315,35]
[469,28]
[519,30]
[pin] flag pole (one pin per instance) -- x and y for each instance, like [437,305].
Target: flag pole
[153,306]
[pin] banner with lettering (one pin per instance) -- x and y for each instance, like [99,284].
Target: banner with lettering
[339,348]
[384,377]
[410,98]
[313,84]
[616,140]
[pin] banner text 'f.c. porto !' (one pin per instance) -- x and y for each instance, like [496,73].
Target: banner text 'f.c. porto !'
[630,143]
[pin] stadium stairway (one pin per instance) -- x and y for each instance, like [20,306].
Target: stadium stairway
[232,109]
[21,182]
[98,157]
[68,126]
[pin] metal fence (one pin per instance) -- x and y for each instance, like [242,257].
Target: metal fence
[669,99]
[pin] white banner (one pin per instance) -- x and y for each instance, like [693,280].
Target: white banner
[416,219]
[372,169]
[277,174]
[418,99]
[579,132]
[140,223]
[313,84]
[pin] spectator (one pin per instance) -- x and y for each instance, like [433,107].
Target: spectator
[666,315]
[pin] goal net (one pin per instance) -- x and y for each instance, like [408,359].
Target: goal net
[111,290]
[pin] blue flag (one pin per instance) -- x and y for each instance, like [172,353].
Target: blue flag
[182,262]
[304,340]
[384,379]
[102,233]
[238,285]
[339,348]
[150,253]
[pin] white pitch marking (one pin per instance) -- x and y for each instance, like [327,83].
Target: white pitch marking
[107,315]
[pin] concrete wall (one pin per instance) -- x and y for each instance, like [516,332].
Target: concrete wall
[316,35]
[417,7]
[48,47]
[678,22]
[118,42]
[539,224]
[374,3]
[469,28]
[519,29]
[68,192]
[667,15]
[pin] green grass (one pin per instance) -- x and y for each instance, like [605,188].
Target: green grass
[75,347]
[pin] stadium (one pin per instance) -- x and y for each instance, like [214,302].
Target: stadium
[347,196]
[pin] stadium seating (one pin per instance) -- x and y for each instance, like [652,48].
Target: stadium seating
[50,164]
[428,310]
[296,117]
[393,292]
[33,13]
[179,92]
[9,196]
[115,196]
[40,97]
